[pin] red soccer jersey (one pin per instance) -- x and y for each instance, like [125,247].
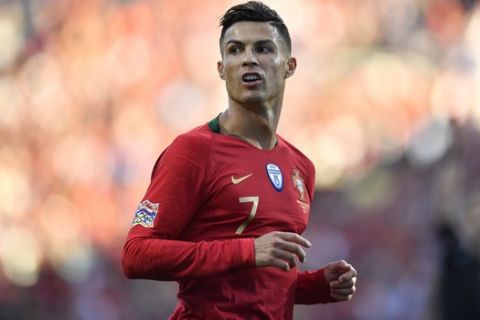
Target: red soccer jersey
[209,197]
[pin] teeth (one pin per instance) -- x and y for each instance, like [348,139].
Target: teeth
[251,77]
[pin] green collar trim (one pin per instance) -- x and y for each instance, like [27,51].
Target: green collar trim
[214,124]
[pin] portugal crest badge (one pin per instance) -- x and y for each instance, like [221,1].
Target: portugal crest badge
[299,185]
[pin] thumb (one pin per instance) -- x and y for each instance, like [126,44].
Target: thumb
[335,269]
[339,267]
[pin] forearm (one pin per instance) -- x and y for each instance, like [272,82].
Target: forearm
[161,259]
[312,288]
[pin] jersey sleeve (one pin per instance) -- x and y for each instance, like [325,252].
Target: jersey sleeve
[153,249]
[312,288]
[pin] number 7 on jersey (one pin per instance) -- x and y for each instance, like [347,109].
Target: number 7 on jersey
[253,212]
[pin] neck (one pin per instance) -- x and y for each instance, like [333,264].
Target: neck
[257,126]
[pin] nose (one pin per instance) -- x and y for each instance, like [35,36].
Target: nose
[249,58]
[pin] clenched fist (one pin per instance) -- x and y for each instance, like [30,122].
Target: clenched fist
[341,277]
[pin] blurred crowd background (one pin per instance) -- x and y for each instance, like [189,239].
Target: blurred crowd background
[385,101]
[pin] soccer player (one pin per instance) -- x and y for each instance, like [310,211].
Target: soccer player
[228,200]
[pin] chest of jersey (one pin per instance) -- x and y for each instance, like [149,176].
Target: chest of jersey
[252,192]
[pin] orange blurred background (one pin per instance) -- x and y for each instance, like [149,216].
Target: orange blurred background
[385,101]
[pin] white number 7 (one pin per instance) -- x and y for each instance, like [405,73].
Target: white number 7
[245,223]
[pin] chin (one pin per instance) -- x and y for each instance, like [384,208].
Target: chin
[252,98]
[253,102]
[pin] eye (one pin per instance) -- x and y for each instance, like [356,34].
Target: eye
[263,49]
[234,50]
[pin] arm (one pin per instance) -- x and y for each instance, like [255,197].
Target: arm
[312,287]
[160,259]
[152,249]
[333,283]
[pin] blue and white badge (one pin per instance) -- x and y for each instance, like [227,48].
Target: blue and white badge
[275,175]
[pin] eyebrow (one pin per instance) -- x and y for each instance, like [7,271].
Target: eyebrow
[259,42]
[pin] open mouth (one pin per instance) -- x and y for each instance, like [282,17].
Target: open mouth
[251,77]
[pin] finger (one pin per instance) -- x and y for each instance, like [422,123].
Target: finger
[351,274]
[344,292]
[293,248]
[285,256]
[278,263]
[293,237]
[340,297]
[341,265]
[345,284]
[337,268]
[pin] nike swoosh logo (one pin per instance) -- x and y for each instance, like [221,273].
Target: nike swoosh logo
[238,180]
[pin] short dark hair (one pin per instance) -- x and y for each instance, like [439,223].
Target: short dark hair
[257,12]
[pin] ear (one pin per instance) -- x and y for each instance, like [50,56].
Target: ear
[221,70]
[290,67]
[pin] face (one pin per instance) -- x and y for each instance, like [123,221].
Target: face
[255,63]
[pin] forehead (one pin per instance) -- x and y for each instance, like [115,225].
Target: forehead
[249,31]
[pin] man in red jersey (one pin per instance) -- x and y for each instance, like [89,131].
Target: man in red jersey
[228,200]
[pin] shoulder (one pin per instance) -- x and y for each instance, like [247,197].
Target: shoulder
[188,150]
[305,165]
[197,140]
